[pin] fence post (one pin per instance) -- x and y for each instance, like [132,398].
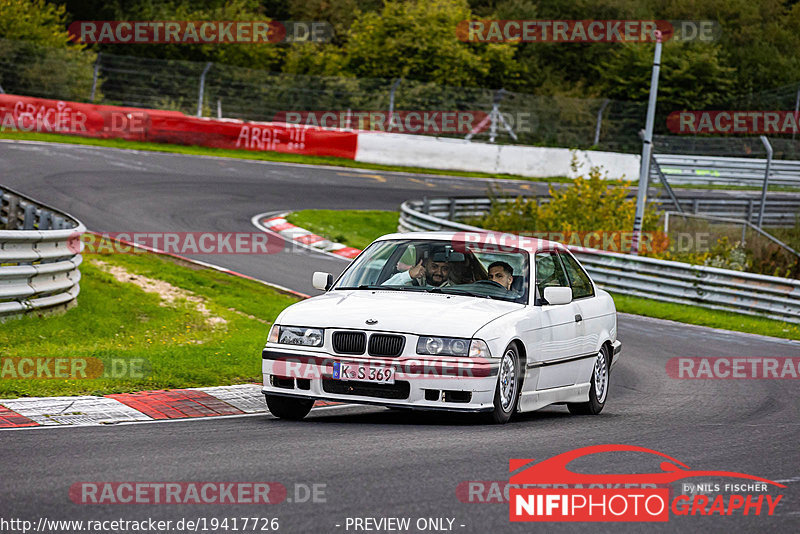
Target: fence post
[391,101]
[219,108]
[599,121]
[202,89]
[94,79]
[766,180]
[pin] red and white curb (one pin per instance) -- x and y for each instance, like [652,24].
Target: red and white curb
[142,406]
[279,225]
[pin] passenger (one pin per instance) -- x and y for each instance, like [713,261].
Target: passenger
[502,273]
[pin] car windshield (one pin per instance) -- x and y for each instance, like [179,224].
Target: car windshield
[452,267]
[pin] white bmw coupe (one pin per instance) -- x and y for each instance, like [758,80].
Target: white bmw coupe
[468,322]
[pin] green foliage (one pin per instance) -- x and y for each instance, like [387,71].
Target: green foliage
[34,41]
[693,76]
[417,40]
[588,204]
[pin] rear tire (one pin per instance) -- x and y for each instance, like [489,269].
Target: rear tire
[598,392]
[509,381]
[288,408]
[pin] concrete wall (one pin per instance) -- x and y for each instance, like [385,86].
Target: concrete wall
[460,155]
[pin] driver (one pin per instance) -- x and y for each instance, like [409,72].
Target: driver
[502,273]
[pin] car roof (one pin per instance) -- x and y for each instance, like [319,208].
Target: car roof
[488,239]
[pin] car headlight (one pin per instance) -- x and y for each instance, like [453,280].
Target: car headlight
[298,335]
[443,346]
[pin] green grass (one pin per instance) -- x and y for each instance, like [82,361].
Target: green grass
[177,345]
[354,228]
[249,154]
[705,317]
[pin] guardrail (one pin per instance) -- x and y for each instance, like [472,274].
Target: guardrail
[782,209]
[717,170]
[39,256]
[668,281]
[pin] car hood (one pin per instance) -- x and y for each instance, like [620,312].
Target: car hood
[433,314]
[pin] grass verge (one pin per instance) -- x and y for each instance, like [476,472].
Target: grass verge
[705,317]
[150,342]
[355,228]
[359,228]
[249,154]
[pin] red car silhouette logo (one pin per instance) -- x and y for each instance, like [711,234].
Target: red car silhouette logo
[554,470]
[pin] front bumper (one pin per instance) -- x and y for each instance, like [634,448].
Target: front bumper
[421,382]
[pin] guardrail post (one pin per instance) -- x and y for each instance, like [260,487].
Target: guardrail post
[696,205]
[202,89]
[29,217]
[45,220]
[452,209]
[13,213]
[766,180]
[426,205]
[94,79]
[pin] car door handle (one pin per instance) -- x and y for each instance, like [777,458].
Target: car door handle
[578,318]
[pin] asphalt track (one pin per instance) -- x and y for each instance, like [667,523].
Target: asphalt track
[375,462]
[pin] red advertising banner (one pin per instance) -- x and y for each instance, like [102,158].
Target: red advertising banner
[29,114]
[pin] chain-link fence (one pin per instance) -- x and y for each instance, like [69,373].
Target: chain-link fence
[235,92]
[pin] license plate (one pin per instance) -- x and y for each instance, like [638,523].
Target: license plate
[363,373]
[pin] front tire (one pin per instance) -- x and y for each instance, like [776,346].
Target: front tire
[288,408]
[598,392]
[509,381]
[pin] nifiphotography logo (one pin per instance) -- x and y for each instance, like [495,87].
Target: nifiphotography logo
[549,491]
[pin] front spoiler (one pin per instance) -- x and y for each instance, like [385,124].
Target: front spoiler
[351,400]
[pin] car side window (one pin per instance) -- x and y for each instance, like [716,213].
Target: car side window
[549,272]
[581,284]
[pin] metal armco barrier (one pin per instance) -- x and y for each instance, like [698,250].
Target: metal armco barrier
[717,170]
[782,209]
[669,281]
[39,256]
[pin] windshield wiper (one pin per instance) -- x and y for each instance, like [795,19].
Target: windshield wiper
[381,288]
[453,291]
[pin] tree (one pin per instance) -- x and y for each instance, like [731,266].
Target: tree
[693,76]
[417,40]
[38,57]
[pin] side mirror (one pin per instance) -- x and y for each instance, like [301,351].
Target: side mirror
[322,281]
[558,295]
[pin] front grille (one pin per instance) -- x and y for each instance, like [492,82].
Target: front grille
[398,390]
[349,342]
[386,345]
